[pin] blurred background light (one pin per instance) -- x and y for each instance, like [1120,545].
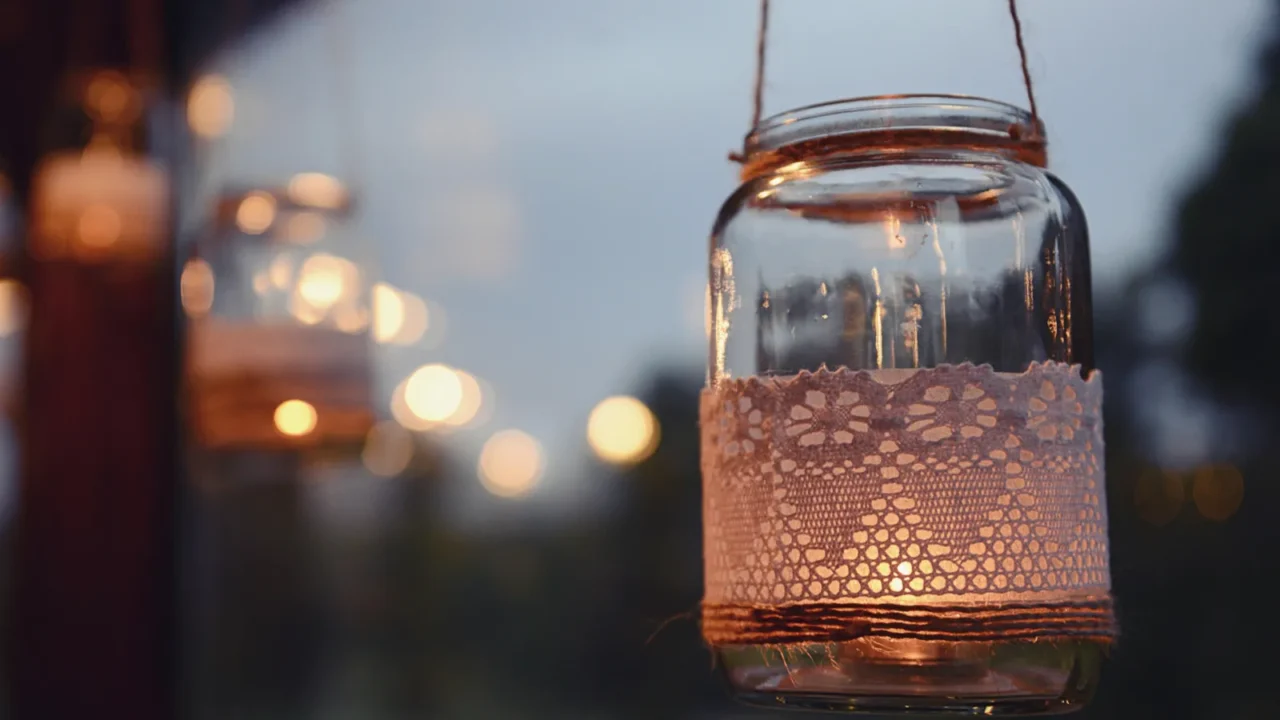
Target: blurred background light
[1218,491]
[210,107]
[388,312]
[622,430]
[256,213]
[388,449]
[511,464]
[1158,495]
[471,400]
[434,393]
[317,190]
[280,271]
[325,279]
[196,287]
[295,418]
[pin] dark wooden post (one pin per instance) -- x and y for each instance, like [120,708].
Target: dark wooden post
[93,625]
[92,630]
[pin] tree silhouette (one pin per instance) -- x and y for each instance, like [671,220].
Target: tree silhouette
[1228,251]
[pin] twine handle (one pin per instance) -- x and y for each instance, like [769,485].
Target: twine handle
[762,35]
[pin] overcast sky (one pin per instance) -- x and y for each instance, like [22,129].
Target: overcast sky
[547,172]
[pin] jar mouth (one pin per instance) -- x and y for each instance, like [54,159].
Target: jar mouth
[902,121]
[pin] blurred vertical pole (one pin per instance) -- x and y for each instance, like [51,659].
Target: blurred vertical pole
[93,625]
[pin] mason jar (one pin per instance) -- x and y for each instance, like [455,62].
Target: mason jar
[901,439]
[280,312]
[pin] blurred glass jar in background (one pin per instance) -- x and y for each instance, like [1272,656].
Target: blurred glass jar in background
[279,344]
[901,233]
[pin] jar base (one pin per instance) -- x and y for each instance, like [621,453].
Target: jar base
[916,677]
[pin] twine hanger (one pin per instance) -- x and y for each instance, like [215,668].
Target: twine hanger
[757,109]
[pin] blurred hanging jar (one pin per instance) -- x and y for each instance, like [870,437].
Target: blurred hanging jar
[903,487]
[279,341]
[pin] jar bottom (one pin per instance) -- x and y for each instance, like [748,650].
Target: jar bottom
[916,677]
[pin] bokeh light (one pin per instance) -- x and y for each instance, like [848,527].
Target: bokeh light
[433,393]
[317,190]
[300,309]
[472,399]
[351,319]
[417,320]
[622,430]
[109,96]
[13,307]
[295,418]
[256,213]
[511,464]
[388,449]
[403,415]
[1158,496]
[196,287]
[280,271]
[388,312]
[210,107]
[325,279]
[1218,491]
[99,225]
[399,316]
[303,228]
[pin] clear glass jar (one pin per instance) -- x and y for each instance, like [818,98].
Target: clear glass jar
[279,347]
[902,232]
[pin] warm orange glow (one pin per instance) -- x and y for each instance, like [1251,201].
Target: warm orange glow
[99,225]
[210,107]
[280,272]
[399,316]
[304,228]
[110,97]
[325,279]
[196,287]
[388,312]
[511,464]
[403,415]
[434,393]
[417,320]
[387,449]
[300,309]
[351,319]
[256,213]
[317,190]
[1158,496]
[98,204]
[622,430]
[1218,491]
[472,399]
[13,307]
[295,418]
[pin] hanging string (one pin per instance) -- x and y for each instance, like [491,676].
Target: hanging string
[762,36]
[1026,71]
[757,106]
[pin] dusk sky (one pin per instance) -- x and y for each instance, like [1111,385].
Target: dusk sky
[547,172]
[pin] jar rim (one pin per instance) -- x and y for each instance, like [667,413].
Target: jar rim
[975,119]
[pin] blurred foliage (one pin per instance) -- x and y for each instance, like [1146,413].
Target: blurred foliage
[1229,255]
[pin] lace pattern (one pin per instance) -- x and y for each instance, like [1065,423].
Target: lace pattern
[952,485]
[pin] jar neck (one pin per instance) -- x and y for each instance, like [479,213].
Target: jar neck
[893,126]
